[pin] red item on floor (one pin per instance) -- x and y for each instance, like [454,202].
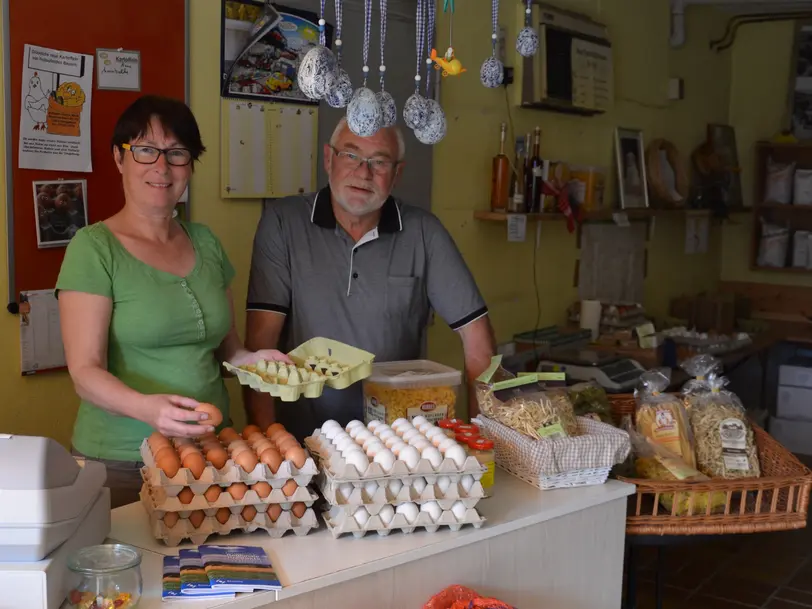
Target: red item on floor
[460,597]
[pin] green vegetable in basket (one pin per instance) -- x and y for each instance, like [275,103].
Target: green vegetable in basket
[588,398]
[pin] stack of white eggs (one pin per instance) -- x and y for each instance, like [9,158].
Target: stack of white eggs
[394,494]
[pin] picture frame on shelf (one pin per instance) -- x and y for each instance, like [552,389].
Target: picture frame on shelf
[723,141]
[631,168]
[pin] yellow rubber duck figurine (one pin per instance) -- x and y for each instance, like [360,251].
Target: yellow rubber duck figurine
[450,65]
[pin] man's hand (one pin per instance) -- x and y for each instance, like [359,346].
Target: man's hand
[479,346]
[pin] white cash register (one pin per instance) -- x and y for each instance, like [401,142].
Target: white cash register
[51,505]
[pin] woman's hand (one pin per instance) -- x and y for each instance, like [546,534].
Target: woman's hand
[246,358]
[169,414]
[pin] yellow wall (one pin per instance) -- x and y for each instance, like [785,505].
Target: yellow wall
[760,79]
[639,31]
[44,405]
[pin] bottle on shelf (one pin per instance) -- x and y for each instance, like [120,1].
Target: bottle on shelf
[500,175]
[535,167]
[528,174]
[517,203]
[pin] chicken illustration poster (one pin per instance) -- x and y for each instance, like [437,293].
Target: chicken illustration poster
[55,115]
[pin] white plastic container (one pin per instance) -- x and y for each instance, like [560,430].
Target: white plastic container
[411,388]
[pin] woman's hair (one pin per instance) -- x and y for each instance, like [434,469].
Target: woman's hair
[175,118]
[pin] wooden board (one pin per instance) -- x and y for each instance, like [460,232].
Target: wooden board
[778,302]
[156,28]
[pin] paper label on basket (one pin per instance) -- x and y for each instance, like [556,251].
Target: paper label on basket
[734,444]
[552,431]
[374,410]
[665,430]
[432,411]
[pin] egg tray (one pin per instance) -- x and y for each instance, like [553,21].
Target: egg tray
[161,501]
[339,523]
[407,494]
[230,472]
[184,530]
[358,361]
[324,449]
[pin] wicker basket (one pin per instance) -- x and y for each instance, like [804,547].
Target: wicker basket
[777,501]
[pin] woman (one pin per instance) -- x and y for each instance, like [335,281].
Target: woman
[146,310]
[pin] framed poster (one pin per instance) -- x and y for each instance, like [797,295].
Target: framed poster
[800,88]
[60,209]
[262,47]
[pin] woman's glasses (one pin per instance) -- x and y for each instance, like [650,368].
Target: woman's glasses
[147,155]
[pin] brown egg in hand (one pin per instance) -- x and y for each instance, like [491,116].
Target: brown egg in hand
[217,457]
[215,416]
[170,519]
[222,515]
[263,489]
[237,490]
[290,488]
[249,512]
[228,435]
[186,495]
[298,509]
[212,493]
[272,459]
[195,463]
[196,518]
[246,460]
[274,511]
[250,429]
[296,455]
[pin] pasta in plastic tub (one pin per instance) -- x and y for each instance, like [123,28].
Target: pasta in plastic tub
[407,389]
[661,417]
[725,445]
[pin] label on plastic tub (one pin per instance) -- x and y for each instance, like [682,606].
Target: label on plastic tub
[431,411]
[374,410]
[734,445]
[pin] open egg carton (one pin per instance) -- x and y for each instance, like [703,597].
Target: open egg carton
[380,519]
[209,524]
[318,362]
[167,500]
[228,474]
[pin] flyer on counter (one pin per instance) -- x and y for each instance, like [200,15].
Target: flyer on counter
[239,568]
[193,579]
[55,114]
[171,583]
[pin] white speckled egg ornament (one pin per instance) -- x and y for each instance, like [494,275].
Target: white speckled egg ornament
[317,72]
[527,42]
[416,111]
[341,93]
[434,129]
[364,116]
[389,111]
[492,72]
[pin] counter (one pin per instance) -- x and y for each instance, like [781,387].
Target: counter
[551,549]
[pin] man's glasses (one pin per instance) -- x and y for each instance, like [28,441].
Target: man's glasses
[147,155]
[378,166]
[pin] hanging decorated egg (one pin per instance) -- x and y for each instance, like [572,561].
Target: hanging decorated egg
[492,72]
[434,129]
[341,93]
[415,111]
[527,43]
[317,72]
[389,111]
[364,116]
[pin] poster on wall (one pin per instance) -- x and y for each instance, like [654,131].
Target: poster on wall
[60,209]
[261,63]
[55,113]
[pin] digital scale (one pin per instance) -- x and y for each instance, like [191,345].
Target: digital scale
[614,373]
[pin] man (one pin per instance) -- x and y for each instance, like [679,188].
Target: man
[353,264]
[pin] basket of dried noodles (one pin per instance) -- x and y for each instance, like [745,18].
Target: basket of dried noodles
[537,436]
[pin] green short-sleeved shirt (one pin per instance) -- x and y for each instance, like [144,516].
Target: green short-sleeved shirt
[163,334]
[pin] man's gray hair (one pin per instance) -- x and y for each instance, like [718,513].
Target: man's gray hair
[398,134]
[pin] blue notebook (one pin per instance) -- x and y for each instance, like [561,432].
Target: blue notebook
[193,579]
[238,568]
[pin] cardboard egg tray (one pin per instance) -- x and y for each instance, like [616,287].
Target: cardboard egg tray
[161,501]
[339,471]
[407,494]
[359,362]
[339,522]
[184,530]
[231,472]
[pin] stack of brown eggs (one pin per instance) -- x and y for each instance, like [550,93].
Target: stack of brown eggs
[216,484]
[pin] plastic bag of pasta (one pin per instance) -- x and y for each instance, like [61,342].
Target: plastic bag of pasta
[522,403]
[662,417]
[654,462]
[725,444]
[590,400]
[700,367]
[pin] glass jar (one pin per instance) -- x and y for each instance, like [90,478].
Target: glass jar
[449,426]
[106,576]
[482,449]
[469,428]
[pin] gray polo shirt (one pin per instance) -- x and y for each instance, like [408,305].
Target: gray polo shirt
[376,294]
